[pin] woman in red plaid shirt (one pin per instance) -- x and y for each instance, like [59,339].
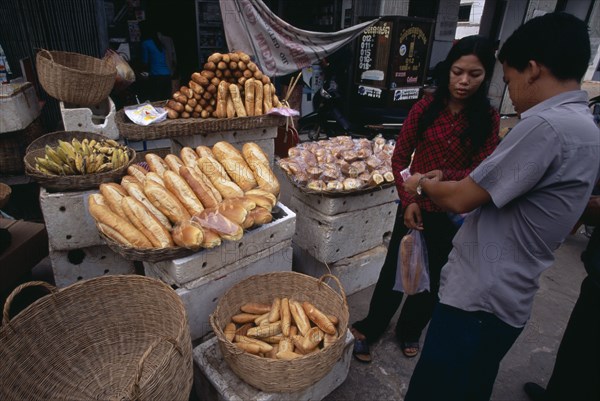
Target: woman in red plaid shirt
[450,132]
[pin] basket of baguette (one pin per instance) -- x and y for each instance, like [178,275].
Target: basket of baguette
[229,93]
[73,160]
[187,202]
[340,166]
[282,331]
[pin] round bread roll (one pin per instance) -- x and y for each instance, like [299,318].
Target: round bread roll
[180,188]
[166,202]
[145,221]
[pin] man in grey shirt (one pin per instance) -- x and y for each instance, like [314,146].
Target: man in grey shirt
[525,198]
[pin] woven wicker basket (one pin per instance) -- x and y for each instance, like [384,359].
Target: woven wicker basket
[5,192]
[75,78]
[69,182]
[146,255]
[190,126]
[272,375]
[107,338]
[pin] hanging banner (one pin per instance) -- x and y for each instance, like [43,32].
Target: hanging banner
[278,47]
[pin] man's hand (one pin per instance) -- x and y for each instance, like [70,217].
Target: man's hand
[412,217]
[410,185]
[435,175]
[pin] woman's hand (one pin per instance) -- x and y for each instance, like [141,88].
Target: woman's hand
[410,184]
[412,217]
[436,175]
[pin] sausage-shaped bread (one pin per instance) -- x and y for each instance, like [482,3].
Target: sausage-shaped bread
[235,165]
[137,191]
[236,98]
[146,222]
[180,188]
[166,202]
[249,96]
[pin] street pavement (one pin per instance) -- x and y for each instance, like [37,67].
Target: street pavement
[530,359]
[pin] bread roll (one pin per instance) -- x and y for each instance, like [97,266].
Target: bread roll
[300,317]
[249,96]
[219,178]
[211,239]
[234,92]
[175,105]
[145,221]
[166,202]
[259,164]
[244,201]
[318,318]
[152,176]
[113,194]
[260,201]
[156,163]
[262,192]
[188,156]
[261,216]
[199,186]
[180,188]
[267,98]
[173,162]
[115,223]
[188,235]
[222,96]
[213,220]
[113,234]
[248,222]
[127,179]
[233,211]
[138,172]
[235,165]
[137,191]
[230,108]
[204,151]
[258,97]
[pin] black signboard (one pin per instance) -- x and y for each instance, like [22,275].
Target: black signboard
[371,63]
[409,54]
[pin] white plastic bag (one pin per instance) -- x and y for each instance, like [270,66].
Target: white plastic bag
[145,114]
[125,74]
[412,272]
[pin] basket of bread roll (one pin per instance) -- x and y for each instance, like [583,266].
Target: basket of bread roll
[340,166]
[184,203]
[282,331]
[72,160]
[229,93]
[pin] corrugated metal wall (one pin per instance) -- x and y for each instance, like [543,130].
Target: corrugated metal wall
[66,25]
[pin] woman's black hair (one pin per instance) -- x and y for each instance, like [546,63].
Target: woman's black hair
[477,108]
[149,30]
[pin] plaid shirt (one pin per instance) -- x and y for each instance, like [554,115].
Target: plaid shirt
[440,149]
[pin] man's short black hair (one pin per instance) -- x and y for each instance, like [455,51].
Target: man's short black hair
[559,41]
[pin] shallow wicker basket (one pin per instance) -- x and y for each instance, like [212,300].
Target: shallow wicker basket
[109,338]
[5,192]
[146,255]
[69,182]
[75,78]
[272,375]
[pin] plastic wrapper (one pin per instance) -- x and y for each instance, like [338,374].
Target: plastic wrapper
[125,74]
[217,222]
[145,114]
[412,272]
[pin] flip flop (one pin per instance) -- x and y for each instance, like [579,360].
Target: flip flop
[409,349]
[361,351]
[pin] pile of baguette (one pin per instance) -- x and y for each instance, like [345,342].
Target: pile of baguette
[340,164]
[194,200]
[286,329]
[230,85]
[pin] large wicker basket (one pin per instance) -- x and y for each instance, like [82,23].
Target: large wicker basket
[69,182]
[272,375]
[75,78]
[107,338]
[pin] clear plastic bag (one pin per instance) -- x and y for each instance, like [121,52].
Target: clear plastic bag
[125,74]
[412,272]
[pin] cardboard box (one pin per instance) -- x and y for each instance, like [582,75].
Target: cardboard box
[29,245]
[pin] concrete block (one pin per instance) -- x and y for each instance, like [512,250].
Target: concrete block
[332,238]
[355,273]
[263,137]
[80,264]
[199,264]
[69,224]
[331,206]
[99,119]
[214,380]
[201,296]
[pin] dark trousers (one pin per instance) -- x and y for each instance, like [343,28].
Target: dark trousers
[461,355]
[576,371]
[417,310]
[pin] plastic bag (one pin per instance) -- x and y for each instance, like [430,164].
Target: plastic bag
[145,114]
[125,74]
[412,272]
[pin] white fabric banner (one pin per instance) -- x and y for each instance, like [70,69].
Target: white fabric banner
[278,47]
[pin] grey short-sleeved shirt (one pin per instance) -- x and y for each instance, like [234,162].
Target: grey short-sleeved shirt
[540,178]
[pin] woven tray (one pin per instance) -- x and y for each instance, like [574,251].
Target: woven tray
[58,183]
[146,255]
[335,194]
[190,126]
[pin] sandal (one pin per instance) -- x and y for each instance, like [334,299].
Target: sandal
[361,351]
[409,349]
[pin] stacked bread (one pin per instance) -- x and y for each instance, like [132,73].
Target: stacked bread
[230,85]
[340,164]
[193,200]
[286,329]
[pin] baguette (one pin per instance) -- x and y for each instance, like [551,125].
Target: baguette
[259,164]
[244,201]
[235,165]
[152,176]
[174,162]
[285,317]
[219,178]
[300,317]
[258,98]
[188,156]
[264,347]
[255,308]
[249,96]
[329,339]
[188,235]
[244,318]
[222,96]
[230,108]
[138,172]
[266,194]
[166,202]
[233,211]
[199,185]
[267,98]
[211,239]
[229,331]
[261,216]
[113,234]
[260,201]
[145,221]
[318,318]
[137,191]
[113,194]
[275,311]
[112,222]
[267,330]
[128,179]
[204,151]
[410,279]
[240,110]
[287,355]
[249,347]
[156,163]
[180,188]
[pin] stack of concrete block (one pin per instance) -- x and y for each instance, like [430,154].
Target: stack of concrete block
[76,249]
[344,235]
[214,379]
[201,278]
